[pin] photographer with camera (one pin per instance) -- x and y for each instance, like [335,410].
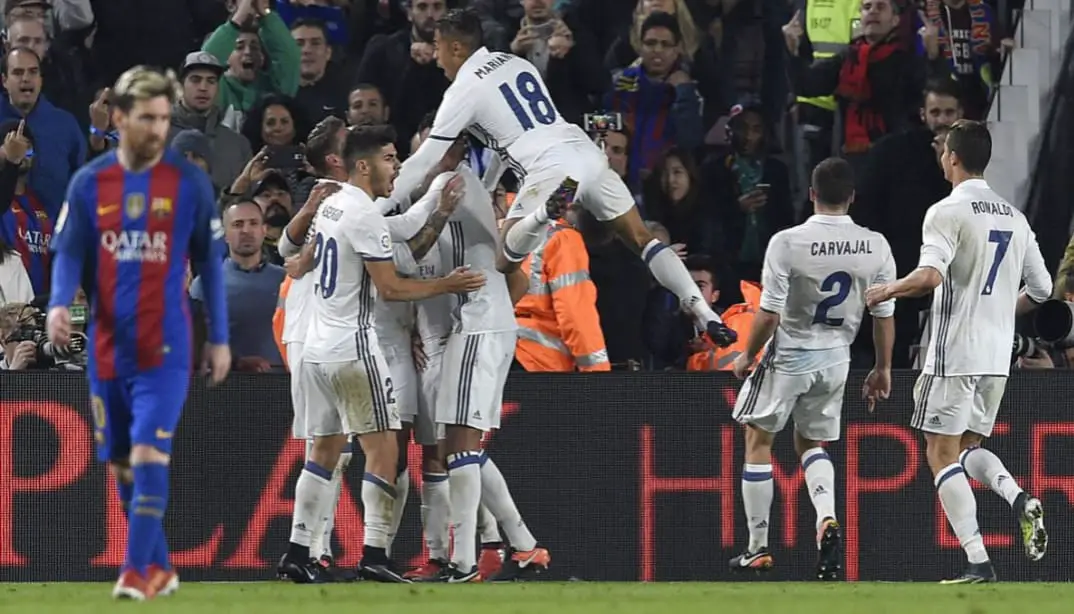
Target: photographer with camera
[25,345]
[1052,345]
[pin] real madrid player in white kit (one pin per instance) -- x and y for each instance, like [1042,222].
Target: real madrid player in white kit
[348,386]
[814,281]
[976,251]
[501,100]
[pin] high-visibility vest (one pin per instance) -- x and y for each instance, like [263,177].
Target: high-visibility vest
[738,318]
[829,26]
[279,316]
[558,325]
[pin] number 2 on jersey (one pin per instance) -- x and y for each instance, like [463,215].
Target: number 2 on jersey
[1002,239]
[326,255]
[540,107]
[840,282]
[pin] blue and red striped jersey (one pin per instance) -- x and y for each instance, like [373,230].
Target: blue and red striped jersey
[27,227]
[127,238]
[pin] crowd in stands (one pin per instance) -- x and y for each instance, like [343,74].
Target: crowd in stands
[716,111]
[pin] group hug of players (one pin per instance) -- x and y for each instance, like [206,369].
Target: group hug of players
[135,217]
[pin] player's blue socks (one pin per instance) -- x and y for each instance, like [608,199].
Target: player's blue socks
[757,499]
[146,525]
[160,551]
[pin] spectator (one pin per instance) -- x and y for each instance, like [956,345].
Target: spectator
[876,83]
[751,190]
[671,335]
[194,146]
[18,352]
[252,286]
[197,109]
[657,99]
[322,88]
[739,318]
[564,54]
[63,69]
[274,195]
[496,15]
[893,203]
[25,223]
[250,73]
[965,37]
[15,284]
[403,68]
[274,123]
[60,146]
[102,134]
[366,106]
[673,196]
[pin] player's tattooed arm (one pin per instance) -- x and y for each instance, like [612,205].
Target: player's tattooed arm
[423,241]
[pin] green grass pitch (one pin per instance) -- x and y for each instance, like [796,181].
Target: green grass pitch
[554,598]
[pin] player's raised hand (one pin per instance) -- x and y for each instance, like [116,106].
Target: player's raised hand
[463,279]
[742,366]
[320,191]
[877,294]
[792,33]
[877,387]
[451,195]
[58,324]
[217,362]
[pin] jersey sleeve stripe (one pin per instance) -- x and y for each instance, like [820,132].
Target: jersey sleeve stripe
[375,259]
[440,137]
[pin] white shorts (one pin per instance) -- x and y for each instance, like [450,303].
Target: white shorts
[298,395]
[815,401]
[472,377]
[957,404]
[349,397]
[600,191]
[426,431]
[403,380]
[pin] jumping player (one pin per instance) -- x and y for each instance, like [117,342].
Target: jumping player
[976,250]
[348,386]
[132,219]
[500,99]
[814,278]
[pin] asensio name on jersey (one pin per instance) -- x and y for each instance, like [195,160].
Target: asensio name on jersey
[983,248]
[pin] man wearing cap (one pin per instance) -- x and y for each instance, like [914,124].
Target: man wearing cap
[194,146]
[197,110]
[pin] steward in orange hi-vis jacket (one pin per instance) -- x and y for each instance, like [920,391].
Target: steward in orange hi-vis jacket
[739,318]
[559,329]
[279,316]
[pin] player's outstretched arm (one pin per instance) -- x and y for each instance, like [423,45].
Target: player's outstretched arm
[394,288]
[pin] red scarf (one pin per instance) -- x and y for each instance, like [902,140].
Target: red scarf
[862,116]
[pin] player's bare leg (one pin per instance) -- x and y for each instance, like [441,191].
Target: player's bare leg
[493,550]
[143,484]
[820,483]
[671,273]
[402,482]
[959,505]
[378,500]
[757,493]
[321,545]
[987,468]
[313,498]
[435,515]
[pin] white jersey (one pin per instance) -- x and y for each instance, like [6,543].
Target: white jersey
[394,320]
[469,239]
[297,309]
[433,317]
[983,247]
[501,99]
[815,276]
[350,232]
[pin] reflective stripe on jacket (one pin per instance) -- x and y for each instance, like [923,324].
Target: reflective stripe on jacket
[559,328]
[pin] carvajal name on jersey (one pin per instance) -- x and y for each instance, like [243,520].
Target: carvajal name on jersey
[497,60]
[841,248]
[987,208]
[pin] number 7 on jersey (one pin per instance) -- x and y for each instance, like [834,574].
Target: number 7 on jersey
[1002,239]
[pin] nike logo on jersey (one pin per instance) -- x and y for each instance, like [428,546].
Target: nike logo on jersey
[106,209]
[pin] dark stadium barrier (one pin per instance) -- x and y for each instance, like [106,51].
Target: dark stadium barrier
[622,476]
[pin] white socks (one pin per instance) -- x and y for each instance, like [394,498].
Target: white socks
[402,490]
[312,494]
[487,527]
[527,234]
[495,495]
[757,499]
[378,499]
[321,544]
[961,508]
[671,273]
[464,477]
[436,514]
[985,467]
[820,481]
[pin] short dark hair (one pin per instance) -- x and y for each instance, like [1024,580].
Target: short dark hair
[833,182]
[13,51]
[239,201]
[365,141]
[463,25]
[703,262]
[972,143]
[365,87]
[322,142]
[311,22]
[943,87]
[661,19]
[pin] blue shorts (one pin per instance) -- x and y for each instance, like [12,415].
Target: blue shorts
[140,410]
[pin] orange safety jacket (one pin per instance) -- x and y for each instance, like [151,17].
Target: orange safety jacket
[559,328]
[740,319]
[279,316]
